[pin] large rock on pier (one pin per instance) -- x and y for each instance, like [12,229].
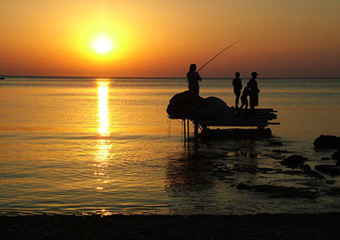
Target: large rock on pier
[188,105]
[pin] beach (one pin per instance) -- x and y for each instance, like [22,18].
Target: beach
[262,226]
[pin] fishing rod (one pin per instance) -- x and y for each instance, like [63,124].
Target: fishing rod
[219,54]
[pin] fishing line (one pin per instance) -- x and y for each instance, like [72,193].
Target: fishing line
[219,54]
[182,136]
[169,127]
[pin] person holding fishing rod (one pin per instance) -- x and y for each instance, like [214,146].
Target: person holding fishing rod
[193,78]
[193,75]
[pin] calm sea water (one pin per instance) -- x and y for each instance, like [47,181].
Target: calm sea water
[86,145]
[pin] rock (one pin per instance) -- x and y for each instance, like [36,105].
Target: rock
[243,186]
[294,161]
[328,169]
[186,105]
[305,167]
[336,155]
[280,191]
[217,104]
[327,142]
[180,105]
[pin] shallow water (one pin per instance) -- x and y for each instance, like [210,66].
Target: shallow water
[83,145]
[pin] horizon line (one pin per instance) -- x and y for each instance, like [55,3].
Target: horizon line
[145,77]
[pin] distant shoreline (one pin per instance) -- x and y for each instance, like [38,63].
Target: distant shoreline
[261,226]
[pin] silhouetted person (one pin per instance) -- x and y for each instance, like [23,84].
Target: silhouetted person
[237,84]
[193,78]
[253,91]
[244,98]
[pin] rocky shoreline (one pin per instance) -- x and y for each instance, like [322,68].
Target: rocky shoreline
[315,179]
[261,226]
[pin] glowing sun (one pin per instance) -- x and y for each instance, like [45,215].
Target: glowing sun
[102,45]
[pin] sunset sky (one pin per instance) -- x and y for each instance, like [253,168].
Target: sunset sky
[159,38]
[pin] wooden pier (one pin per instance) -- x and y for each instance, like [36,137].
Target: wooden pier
[213,112]
[259,118]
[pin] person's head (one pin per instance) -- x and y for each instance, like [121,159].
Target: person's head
[192,68]
[254,74]
[237,74]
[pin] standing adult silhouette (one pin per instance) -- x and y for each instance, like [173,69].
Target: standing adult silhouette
[193,78]
[253,91]
[237,85]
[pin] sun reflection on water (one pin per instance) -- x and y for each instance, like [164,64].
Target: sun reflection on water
[102,157]
[103,109]
[103,147]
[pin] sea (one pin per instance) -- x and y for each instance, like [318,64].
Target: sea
[83,145]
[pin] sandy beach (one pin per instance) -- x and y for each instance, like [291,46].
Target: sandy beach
[262,226]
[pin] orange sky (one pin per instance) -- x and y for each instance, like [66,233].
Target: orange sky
[161,38]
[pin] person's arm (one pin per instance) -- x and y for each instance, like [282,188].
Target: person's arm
[199,77]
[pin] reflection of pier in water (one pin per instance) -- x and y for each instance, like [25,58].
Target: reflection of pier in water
[195,180]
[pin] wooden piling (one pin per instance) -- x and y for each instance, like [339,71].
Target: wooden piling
[196,133]
[184,132]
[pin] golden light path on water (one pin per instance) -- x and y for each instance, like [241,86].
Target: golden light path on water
[103,108]
[103,146]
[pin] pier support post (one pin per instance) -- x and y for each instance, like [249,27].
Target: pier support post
[188,131]
[184,132]
[196,133]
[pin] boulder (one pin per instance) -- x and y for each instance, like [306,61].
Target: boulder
[327,142]
[328,169]
[294,161]
[180,105]
[305,167]
[187,105]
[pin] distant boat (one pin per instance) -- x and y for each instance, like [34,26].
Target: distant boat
[2,78]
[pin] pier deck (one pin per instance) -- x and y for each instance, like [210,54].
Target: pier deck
[260,118]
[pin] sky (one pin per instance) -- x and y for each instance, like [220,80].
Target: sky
[161,38]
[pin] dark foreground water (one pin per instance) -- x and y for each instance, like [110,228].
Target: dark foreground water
[84,145]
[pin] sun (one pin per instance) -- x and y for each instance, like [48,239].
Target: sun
[102,45]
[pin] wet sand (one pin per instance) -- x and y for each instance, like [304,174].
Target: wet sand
[262,226]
